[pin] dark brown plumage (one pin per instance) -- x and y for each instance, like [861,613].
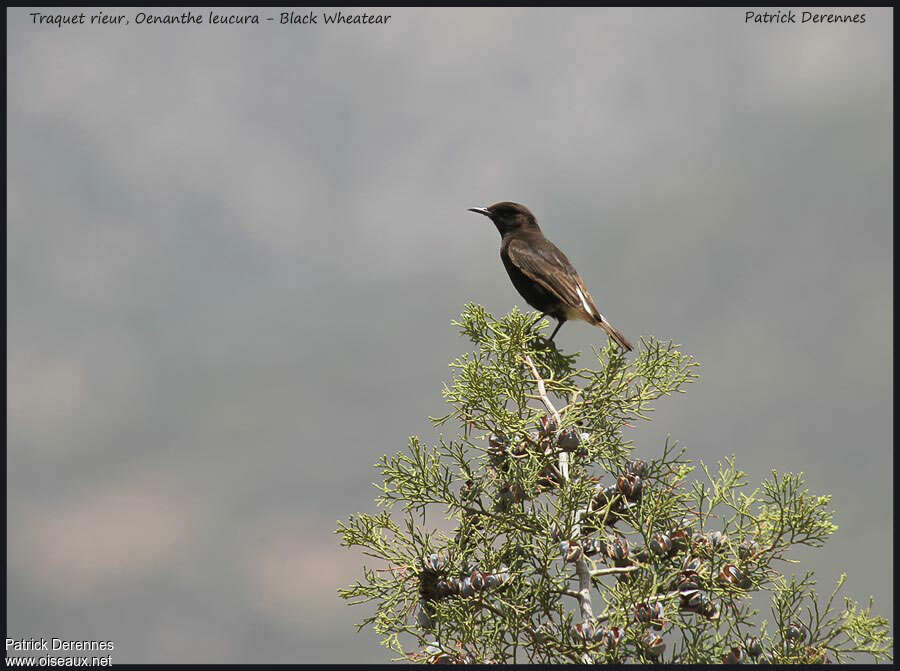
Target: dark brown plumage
[541,273]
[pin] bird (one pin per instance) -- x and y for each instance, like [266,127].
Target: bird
[541,273]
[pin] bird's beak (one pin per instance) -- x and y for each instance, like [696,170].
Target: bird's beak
[480,210]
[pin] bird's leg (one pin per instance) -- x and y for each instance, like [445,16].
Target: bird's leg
[558,326]
[546,342]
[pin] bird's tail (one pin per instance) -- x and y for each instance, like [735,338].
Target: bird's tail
[621,340]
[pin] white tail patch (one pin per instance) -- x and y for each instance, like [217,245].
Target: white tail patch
[587,308]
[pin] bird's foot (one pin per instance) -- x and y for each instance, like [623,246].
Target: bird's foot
[540,342]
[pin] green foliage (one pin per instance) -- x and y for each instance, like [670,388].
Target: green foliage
[559,546]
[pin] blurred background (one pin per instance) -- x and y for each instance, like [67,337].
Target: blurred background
[234,253]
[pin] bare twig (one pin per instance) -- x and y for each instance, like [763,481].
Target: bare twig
[545,399]
[584,589]
[581,566]
[613,570]
[542,390]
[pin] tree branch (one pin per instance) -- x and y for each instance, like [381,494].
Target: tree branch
[542,392]
[581,566]
[613,570]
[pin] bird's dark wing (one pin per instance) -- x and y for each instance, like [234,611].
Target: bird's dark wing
[544,263]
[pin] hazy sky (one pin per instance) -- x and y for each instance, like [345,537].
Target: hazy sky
[234,252]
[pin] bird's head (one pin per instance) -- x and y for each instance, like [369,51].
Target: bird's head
[507,217]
